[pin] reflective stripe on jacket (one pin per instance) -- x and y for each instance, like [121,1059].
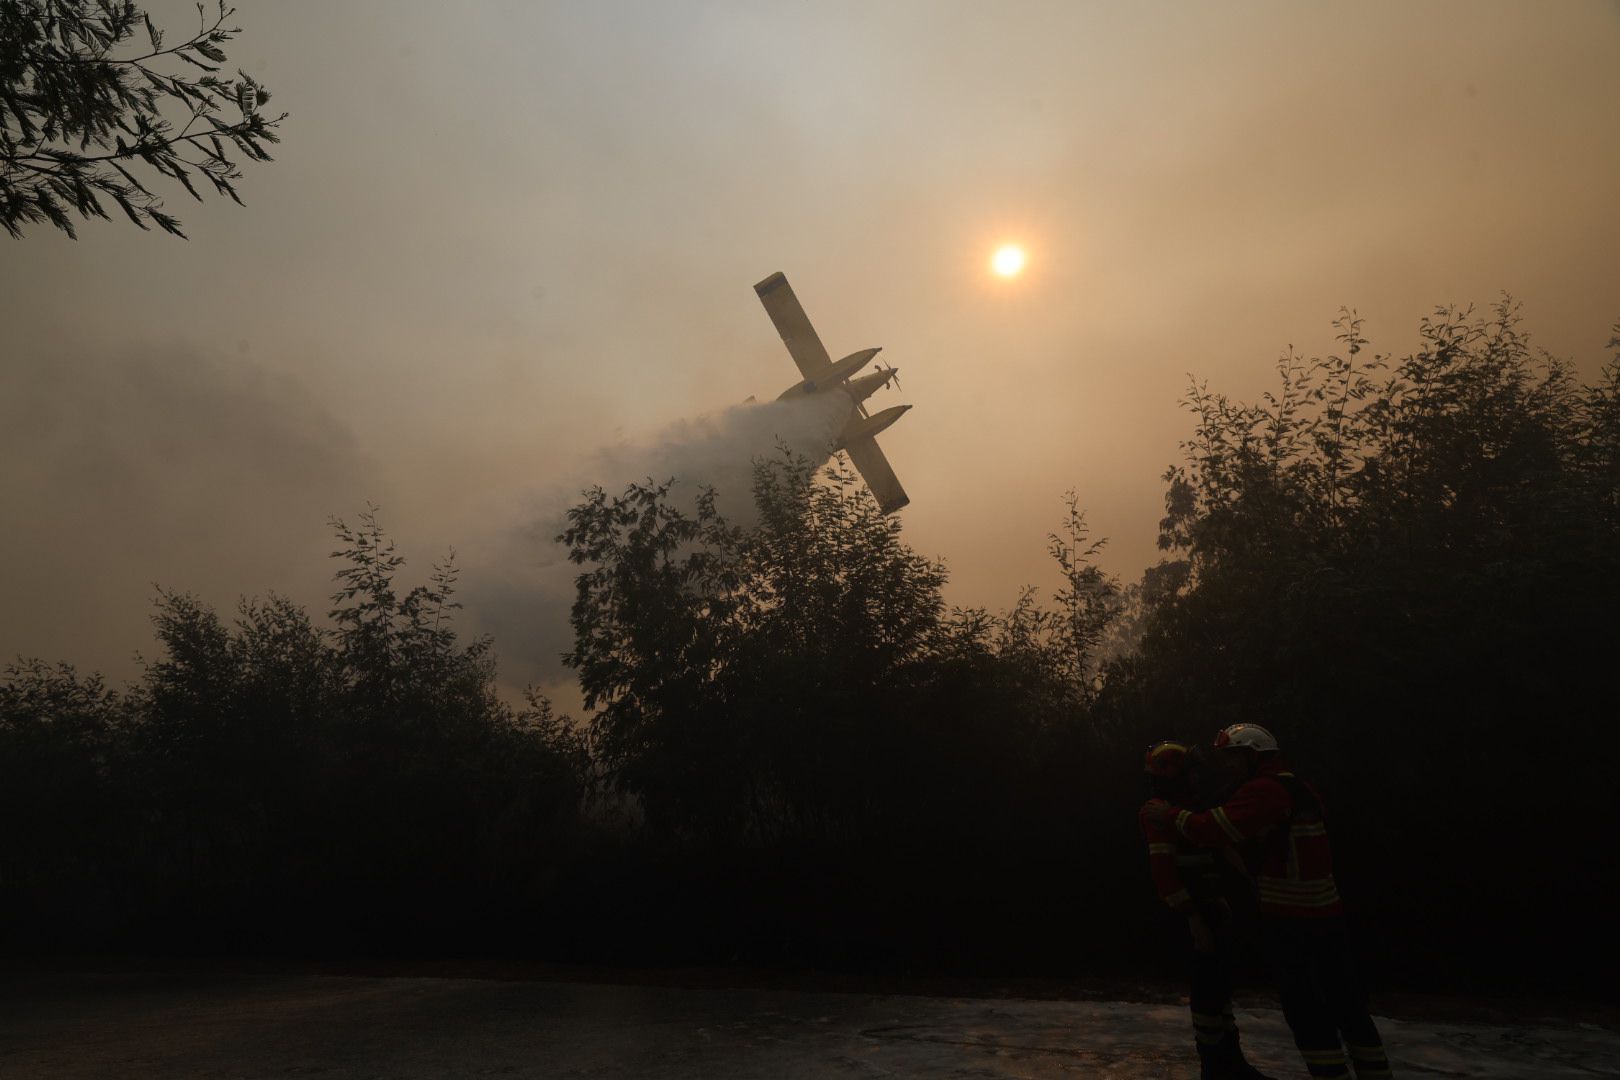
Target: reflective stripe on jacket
[1183,874]
[1283,815]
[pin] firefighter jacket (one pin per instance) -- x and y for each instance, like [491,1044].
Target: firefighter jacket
[1275,819]
[1185,875]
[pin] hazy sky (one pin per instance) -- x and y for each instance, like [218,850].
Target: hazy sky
[502,237]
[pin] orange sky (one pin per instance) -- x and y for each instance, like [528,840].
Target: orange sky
[501,236]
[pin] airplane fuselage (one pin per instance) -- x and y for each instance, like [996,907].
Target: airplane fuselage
[831,377]
[838,377]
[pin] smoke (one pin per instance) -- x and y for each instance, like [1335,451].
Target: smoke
[124,468]
[217,476]
[719,451]
[518,585]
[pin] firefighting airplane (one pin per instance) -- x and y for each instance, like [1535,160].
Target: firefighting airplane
[822,376]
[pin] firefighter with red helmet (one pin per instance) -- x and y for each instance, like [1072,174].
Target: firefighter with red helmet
[1275,819]
[1189,881]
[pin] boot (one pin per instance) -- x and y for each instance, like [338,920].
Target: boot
[1232,1065]
[1211,1061]
[1219,1062]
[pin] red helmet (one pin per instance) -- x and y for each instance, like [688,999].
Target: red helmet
[1166,759]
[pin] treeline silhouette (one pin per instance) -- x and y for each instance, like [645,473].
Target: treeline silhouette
[797,753]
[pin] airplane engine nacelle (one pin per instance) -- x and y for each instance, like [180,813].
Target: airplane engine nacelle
[864,387]
[870,426]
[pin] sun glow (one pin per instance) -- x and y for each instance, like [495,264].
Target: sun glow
[1008,260]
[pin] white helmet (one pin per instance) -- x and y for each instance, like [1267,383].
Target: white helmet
[1245,737]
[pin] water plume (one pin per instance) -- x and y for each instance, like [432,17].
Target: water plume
[518,586]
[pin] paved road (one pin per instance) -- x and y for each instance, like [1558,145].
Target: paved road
[336,1028]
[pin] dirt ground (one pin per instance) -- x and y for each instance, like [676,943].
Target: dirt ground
[241,1026]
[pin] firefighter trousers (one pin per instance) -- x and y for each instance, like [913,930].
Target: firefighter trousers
[1324,999]
[1210,996]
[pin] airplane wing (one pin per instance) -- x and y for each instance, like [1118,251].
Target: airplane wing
[793,324]
[874,468]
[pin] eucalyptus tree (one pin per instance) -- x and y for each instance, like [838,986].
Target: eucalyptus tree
[93,97]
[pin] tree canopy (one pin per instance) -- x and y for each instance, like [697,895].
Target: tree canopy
[275,781]
[796,749]
[783,680]
[90,96]
[1408,568]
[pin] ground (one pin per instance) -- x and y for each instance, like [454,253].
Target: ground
[190,1024]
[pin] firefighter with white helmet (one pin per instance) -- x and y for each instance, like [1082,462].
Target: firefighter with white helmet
[1275,820]
[1246,737]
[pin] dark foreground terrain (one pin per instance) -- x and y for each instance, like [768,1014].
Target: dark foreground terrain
[123,1025]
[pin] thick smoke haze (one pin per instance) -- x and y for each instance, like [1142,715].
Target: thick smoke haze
[144,467]
[498,238]
[218,477]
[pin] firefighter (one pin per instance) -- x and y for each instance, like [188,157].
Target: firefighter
[1275,819]
[1189,882]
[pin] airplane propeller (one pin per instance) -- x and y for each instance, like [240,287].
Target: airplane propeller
[892,372]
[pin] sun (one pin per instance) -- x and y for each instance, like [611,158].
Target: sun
[1008,261]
